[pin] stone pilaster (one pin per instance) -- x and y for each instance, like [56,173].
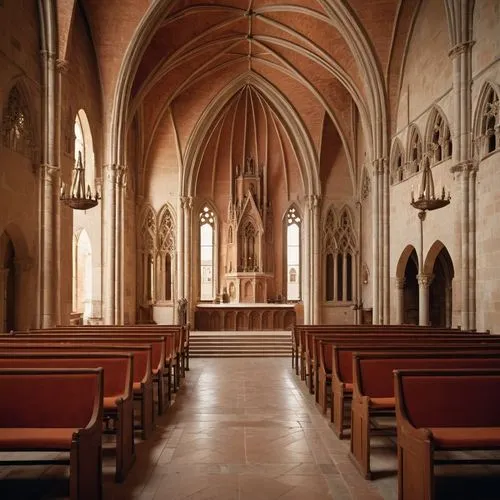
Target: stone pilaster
[316,261]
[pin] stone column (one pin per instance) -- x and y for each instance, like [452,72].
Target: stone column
[119,242]
[316,261]
[460,26]
[109,196]
[188,256]
[49,177]
[307,289]
[400,304]
[386,287]
[424,282]
[377,242]
[472,247]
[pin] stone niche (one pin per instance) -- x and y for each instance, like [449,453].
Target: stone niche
[248,235]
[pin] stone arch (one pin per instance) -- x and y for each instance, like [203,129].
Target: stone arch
[89,155]
[397,162]
[483,134]
[414,150]
[403,261]
[439,265]
[14,261]
[438,142]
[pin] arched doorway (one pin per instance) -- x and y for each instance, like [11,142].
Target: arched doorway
[9,288]
[440,291]
[410,300]
[82,275]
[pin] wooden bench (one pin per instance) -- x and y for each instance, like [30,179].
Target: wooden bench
[142,380]
[393,335]
[442,410]
[56,410]
[373,390]
[118,405]
[309,338]
[336,365]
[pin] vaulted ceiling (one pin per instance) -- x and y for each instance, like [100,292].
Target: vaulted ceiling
[298,57]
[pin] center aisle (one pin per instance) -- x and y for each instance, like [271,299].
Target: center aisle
[243,429]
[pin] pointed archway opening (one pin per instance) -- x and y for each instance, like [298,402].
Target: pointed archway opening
[440,292]
[410,304]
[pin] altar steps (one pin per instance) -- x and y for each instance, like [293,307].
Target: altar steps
[240,344]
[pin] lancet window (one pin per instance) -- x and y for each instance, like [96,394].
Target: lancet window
[440,137]
[415,151]
[207,240]
[148,251]
[293,237]
[340,248]
[490,123]
[166,252]
[397,169]
[16,126]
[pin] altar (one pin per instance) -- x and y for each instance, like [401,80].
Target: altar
[244,316]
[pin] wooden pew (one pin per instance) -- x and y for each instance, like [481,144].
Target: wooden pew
[56,410]
[117,390]
[142,381]
[174,338]
[442,410]
[159,344]
[373,390]
[299,331]
[336,365]
[312,340]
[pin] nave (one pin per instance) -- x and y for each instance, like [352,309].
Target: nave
[245,429]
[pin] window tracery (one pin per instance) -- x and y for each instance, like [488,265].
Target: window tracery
[148,249]
[490,129]
[166,250]
[397,167]
[415,151]
[207,222]
[293,229]
[439,140]
[16,126]
[339,243]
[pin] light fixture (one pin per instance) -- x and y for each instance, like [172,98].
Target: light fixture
[78,198]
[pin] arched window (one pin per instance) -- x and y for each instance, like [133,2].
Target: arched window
[415,150]
[166,249]
[397,172]
[16,125]
[293,228]
[84,146]
[207,241]
[490,123]
[339,245]
[148,237]
[439,137]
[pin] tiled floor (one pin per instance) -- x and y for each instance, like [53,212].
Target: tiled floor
[243,429]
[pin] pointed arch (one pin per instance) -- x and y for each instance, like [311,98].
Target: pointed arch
[292,239]
[208,244]
[403,260]
[18,133]
[438,136]
[166,246]
[414,150]
[147,247]
[486,130]
[397,162]
[84,144]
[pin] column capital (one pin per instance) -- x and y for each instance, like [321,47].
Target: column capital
[424,280]
[464,167]
[460,48]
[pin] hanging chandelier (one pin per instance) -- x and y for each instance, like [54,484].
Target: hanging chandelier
[427,198]
[78,197]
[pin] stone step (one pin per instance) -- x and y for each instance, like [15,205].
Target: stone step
[240,344]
